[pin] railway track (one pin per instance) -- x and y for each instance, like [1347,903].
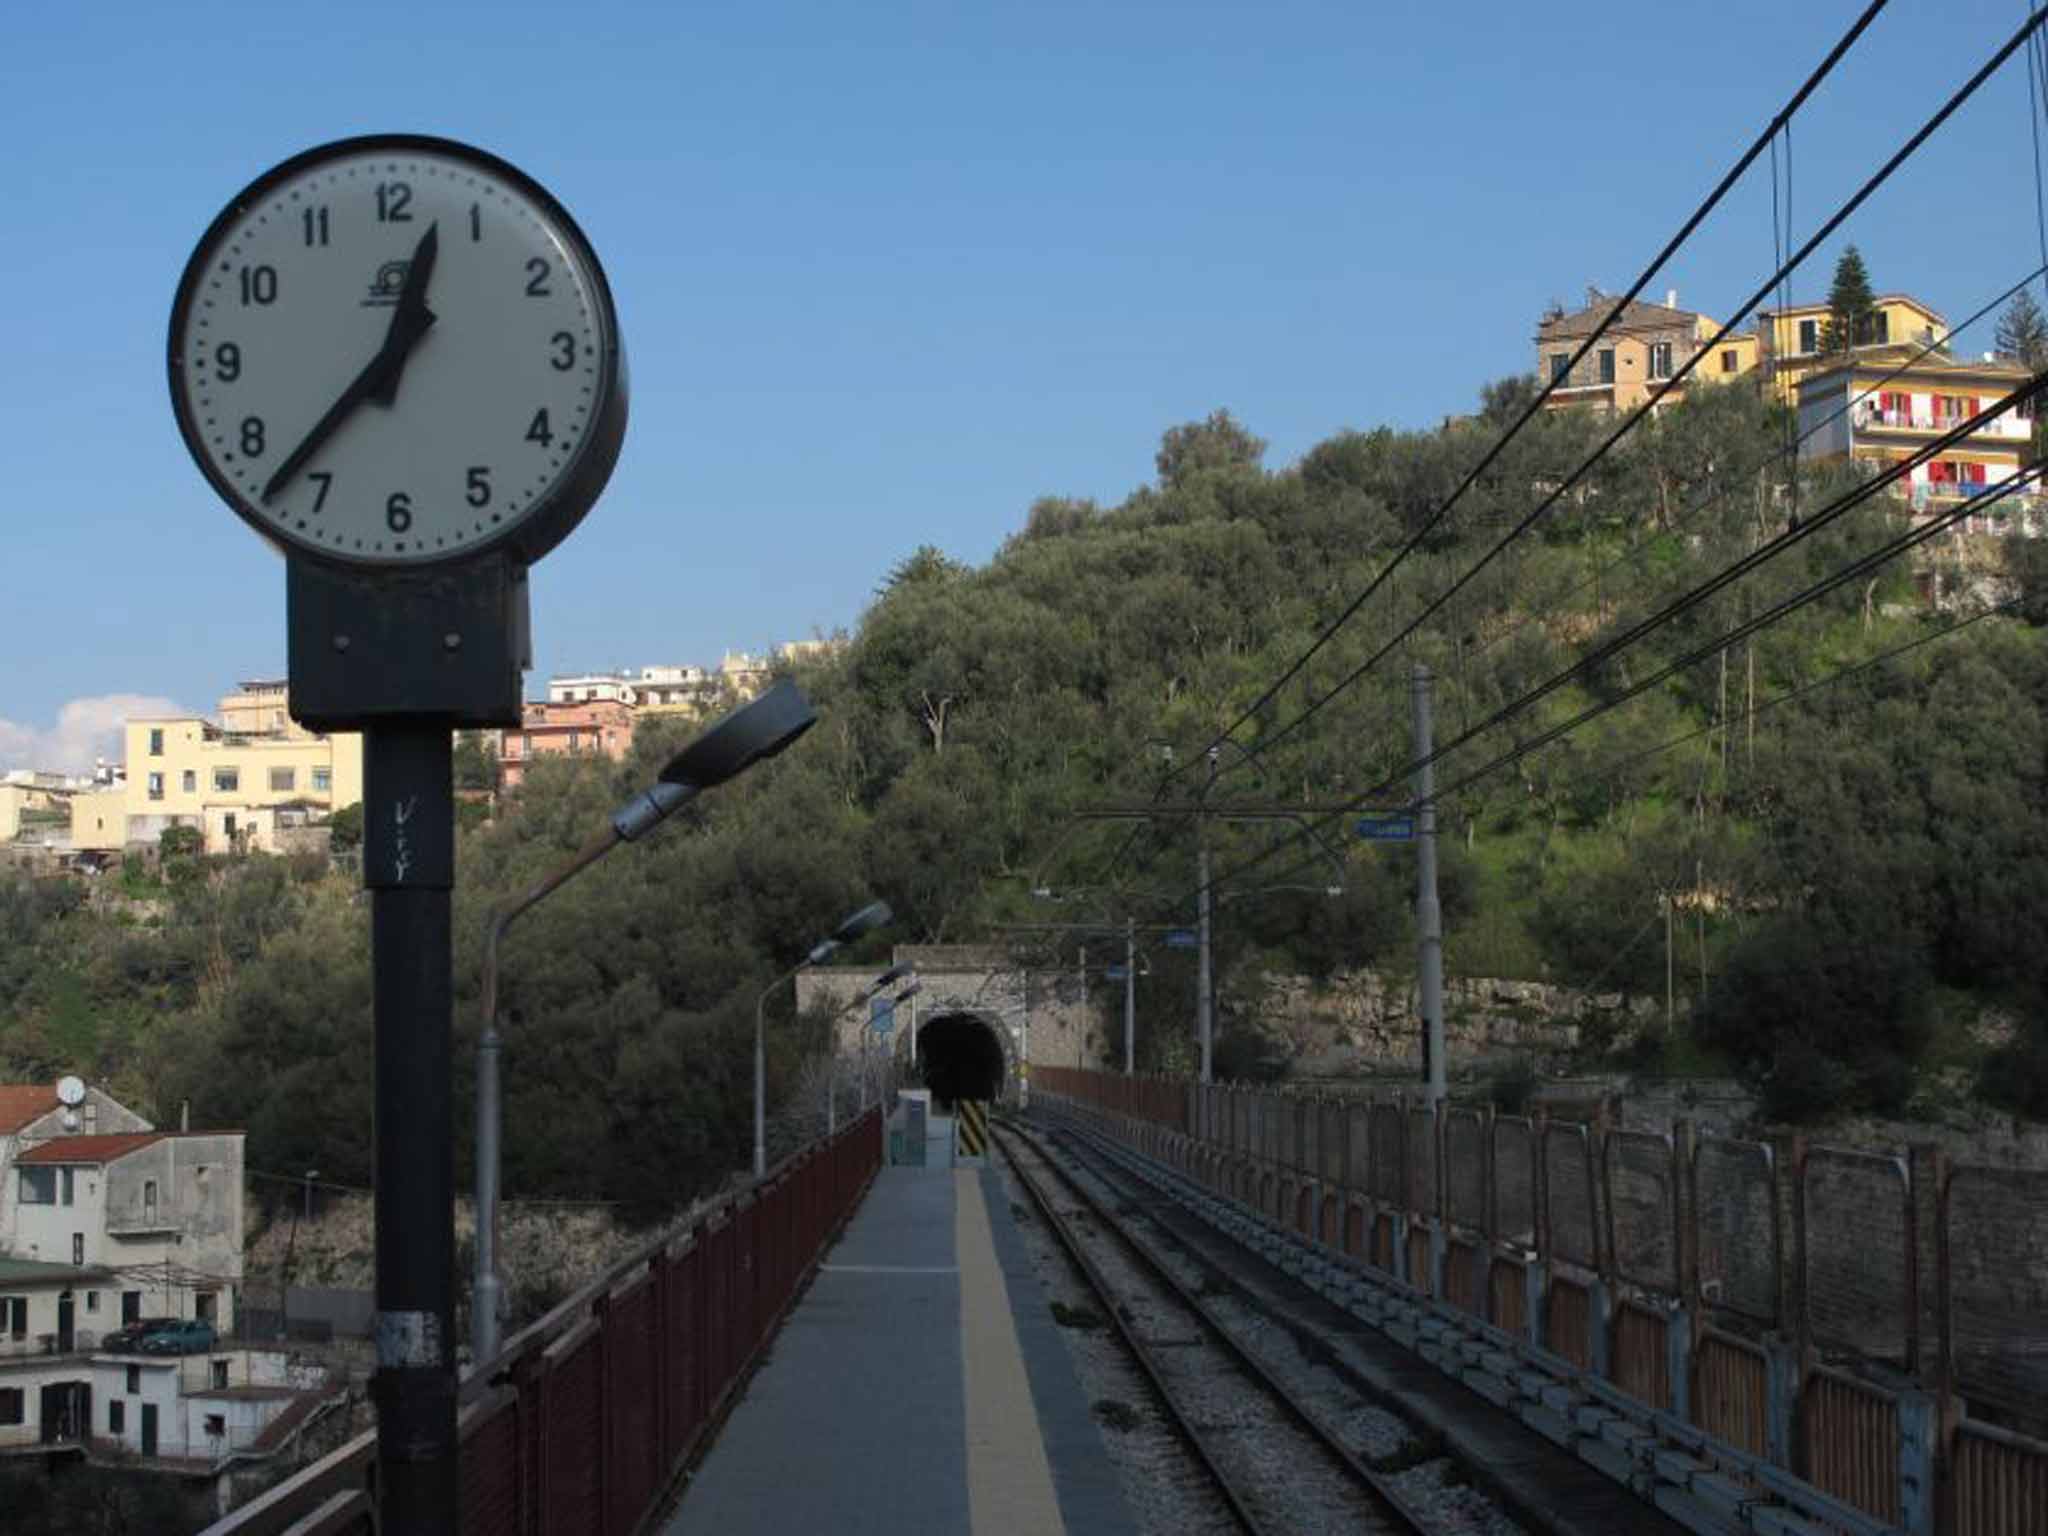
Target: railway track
[1278,1463]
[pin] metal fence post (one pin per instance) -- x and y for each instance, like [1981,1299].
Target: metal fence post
[1683,1338]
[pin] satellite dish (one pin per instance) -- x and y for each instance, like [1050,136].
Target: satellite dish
[71,1090]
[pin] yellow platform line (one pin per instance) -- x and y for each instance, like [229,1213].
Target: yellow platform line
[1009,1481]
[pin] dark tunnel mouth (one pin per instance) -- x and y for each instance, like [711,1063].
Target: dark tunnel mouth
[962,1059]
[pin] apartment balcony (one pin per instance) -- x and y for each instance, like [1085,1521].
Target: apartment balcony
[43,1346]
[2008,426]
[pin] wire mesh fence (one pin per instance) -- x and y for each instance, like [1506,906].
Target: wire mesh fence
[1735,1211]
[1568,1169]
[1998,1287]
[1465,1168]
[1642,1209]
[1859,1259]
[1514,1181]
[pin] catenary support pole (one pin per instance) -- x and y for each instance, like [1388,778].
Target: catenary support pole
[1429,918]
[1130,994]
[409,871]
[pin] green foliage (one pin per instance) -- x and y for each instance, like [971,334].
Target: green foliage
[2022,334]
[1827,866]
[345,828]
[475,766]
[180,842]
[1851,305]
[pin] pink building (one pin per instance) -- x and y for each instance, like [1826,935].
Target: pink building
[549,729]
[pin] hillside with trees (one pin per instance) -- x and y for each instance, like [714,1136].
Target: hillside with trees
[1843,811]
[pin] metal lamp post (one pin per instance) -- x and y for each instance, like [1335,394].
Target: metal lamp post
[873,915]
[868,994]
[748,735]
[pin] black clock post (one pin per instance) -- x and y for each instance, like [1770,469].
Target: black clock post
[408,659]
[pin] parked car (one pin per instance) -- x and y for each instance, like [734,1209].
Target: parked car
[127,1339]
[185,1336]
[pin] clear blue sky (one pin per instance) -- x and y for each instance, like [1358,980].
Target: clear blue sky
[888,272]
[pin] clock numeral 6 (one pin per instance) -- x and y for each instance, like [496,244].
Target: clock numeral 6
[398,512]
[479,492]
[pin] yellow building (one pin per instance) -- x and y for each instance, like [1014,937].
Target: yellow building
[99,821]
[1788,341]
[243,782]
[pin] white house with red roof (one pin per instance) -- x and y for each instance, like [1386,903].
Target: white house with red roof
[105,1220]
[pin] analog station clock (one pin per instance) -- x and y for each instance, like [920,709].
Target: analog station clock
[398,351]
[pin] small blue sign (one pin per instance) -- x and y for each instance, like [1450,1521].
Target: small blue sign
[881,1014]
[1116,972]
[1182,938]
[1388,827]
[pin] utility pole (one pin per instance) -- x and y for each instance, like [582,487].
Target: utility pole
[1429,917]
[1670,969]
[1130,994]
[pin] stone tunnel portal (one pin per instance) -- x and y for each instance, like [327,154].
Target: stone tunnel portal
[961,1057]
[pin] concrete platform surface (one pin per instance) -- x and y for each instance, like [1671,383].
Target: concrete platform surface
[920,1385]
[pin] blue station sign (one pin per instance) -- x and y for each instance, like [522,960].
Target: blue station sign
[1388,827]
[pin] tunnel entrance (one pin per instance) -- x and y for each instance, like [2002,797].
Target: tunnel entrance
[961,1058]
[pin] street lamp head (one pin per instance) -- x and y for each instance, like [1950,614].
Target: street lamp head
[894,974]
[754,731]
[744,737]
[907,993]
[873,915]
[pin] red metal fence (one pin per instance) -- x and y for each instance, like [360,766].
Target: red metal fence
[1875,1324]
[587,1416]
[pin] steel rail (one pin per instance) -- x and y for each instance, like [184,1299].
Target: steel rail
[1372,1483]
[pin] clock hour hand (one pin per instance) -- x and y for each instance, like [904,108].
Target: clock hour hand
[409,323]
[379,379]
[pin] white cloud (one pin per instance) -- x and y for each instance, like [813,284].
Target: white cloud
[85,729]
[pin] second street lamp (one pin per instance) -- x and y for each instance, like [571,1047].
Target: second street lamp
[746,736]
[873,915]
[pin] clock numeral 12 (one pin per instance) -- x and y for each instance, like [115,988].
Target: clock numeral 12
[394,198]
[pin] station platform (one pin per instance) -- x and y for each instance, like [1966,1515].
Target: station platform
[920,1384]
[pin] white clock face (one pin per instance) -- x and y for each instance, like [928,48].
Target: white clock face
[397,352]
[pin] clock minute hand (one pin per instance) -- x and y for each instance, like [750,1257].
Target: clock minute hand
[379,378]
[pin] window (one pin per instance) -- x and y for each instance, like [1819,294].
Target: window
[13,1405]
[69,1185]
[323,780]
[149,1197]
[117,1416]
[1606,356]
[228,825]
[1879,327]
[78,1247]
[38,1186]
[188,781]
[92,1301]
[1560,363]
[1727,359]
[226,780]
[572,741]
[14,1316]
[134,1378]
[1660,359]
[284,778]
[217,1423]
[220,1379]
[206,1306]
[1809,336]
[156,742]
[156,786]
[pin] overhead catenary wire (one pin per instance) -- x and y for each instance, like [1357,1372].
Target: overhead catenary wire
[1827,228]
[1901,544]
[1548,387]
